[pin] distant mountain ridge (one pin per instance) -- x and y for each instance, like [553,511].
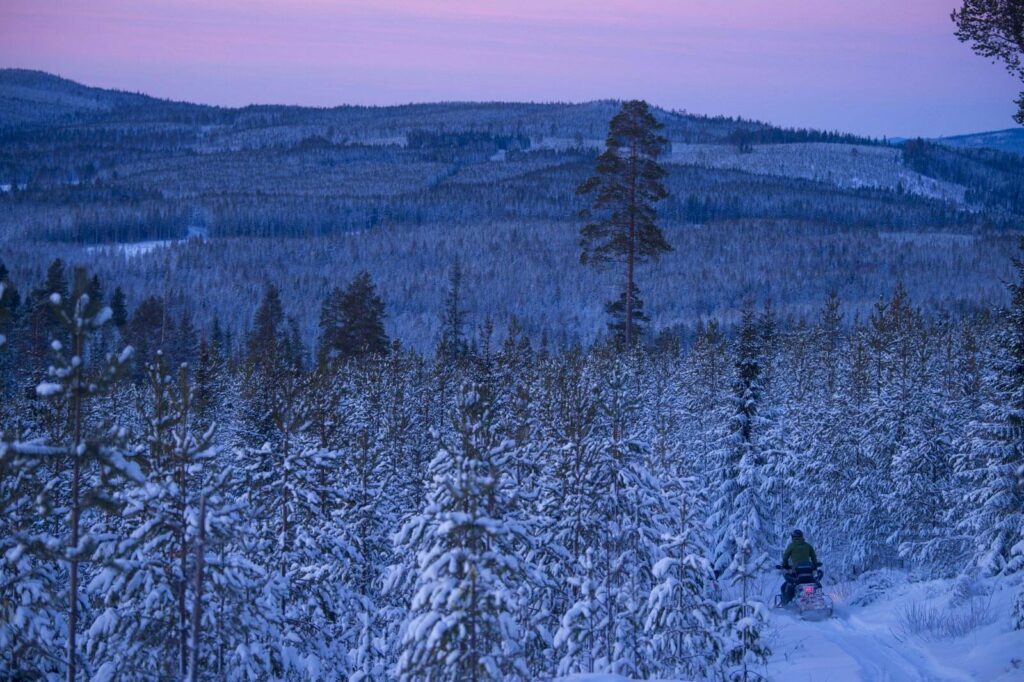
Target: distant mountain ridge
[1009,140]
[35,98]
[31,97]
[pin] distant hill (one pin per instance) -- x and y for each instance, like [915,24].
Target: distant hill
[35,97]
[1009,140]
[119,166]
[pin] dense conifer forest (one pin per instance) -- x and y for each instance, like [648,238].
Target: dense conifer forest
[254,507]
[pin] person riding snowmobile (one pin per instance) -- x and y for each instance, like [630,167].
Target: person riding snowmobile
[798,557]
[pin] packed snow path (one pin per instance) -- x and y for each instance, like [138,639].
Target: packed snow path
[871,639]
[847,647]
[872,642]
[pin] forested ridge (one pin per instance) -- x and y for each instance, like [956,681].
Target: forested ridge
[201,206]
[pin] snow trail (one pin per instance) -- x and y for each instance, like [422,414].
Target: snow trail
[870,642]
[850,647]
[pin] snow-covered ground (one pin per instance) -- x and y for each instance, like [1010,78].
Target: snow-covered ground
[891,630]
[132,249]
[842,165]
[564,143]
[910,631]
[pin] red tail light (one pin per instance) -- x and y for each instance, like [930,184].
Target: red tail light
[808,590]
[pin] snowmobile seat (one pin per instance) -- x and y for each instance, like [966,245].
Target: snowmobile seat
[804,573]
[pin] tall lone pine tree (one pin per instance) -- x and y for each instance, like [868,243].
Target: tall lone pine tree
[621,224]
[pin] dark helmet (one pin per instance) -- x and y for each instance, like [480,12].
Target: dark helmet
[798,534]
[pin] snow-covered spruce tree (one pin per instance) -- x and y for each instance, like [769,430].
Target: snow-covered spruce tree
[140,626]
[963,386]
[210,386]
[630,509]
[452,357]
[683,620]
[635,518]
[343,410]
[777,423]
[569,525]
[923,466]
[964,397]
[511,374]
[147,600]
[462,615]
[884,420]
[32,615]
[994,464]
[412,442]
[744,649]
[94,454]
[374,429]
[530,448]
[298,541]
[841,458]
[660,378]
[828,450]
[266,365]
[910,458]
[704,405]
[741,474]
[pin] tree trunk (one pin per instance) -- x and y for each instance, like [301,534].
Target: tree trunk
[197,605]
[76,508]
[181,453]
[631,255]
[284,519]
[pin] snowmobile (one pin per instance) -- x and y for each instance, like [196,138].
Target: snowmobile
[809,599]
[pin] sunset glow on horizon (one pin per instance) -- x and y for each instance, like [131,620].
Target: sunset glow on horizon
[871,67]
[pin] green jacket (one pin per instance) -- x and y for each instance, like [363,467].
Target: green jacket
[798,552]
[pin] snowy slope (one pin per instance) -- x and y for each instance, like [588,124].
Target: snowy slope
[871,637]
[842,165]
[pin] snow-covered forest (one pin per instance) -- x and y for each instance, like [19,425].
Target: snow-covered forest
[293,393]
[177,504]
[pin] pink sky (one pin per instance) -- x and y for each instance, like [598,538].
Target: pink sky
[875,67]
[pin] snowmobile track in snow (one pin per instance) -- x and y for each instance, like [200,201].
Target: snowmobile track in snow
[848,647]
